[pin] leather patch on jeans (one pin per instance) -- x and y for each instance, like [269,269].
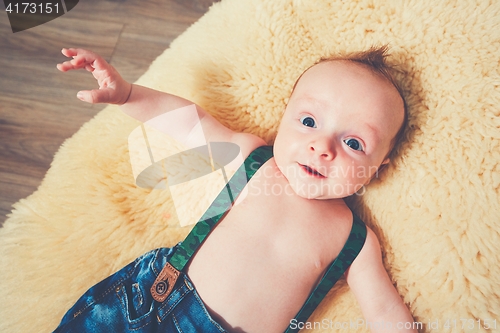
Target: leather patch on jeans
[164,283]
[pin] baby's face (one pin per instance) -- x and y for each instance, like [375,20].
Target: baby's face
[337,129]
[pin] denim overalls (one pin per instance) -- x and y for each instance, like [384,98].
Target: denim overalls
[153,294]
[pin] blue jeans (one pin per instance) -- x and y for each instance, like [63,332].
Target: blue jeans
[123,303]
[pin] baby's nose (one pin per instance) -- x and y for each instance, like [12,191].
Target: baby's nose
[323,148]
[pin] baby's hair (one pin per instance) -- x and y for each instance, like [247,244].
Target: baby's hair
[375,59]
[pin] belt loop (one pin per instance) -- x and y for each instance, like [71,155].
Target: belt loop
[188,283]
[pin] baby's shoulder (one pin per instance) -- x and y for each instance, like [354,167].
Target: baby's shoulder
[247,142]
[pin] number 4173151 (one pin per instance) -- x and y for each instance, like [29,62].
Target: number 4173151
[32,8]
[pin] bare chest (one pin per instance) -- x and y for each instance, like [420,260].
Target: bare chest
[267,254]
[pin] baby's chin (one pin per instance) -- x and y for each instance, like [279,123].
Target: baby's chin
[316,192]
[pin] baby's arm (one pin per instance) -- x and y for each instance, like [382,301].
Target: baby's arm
[144,104]
[380,302]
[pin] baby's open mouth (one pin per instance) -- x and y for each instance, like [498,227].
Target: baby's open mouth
[311,171]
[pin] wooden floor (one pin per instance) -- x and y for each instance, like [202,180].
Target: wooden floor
[38,104]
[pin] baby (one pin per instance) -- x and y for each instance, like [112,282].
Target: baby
[273,252]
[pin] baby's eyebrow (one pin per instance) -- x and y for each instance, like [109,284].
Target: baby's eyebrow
[372,129]
[306,99]
[370,135]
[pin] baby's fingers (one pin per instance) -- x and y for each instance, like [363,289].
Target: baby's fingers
[86,55]
[69,65]
[81,59]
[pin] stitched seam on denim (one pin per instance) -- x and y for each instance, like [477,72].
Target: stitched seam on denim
[209,317]
[140,298]
[153,262]
[181,297]
[176,324]
[122,302]
[187,284]
[106,292]
[125,308]
[141,327]
[149,314]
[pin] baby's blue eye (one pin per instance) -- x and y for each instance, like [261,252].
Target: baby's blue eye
[308,121]
[353,144]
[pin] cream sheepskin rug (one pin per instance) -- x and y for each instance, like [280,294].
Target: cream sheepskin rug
[435,210]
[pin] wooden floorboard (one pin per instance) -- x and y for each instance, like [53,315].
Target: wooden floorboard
[38,107]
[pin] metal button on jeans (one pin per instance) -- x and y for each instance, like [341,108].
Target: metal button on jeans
[161,287]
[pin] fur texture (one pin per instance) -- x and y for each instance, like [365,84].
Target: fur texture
[436,209]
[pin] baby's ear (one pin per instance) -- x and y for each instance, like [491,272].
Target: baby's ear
[380,168]
[382,165]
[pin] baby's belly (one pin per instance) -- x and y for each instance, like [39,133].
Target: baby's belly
[251,283]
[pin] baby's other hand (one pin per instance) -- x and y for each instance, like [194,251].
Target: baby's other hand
[113,88]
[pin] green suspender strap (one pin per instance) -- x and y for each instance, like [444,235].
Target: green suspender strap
[349,252]
[165,281]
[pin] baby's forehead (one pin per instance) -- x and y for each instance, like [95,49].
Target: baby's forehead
[360,77]
[336,68]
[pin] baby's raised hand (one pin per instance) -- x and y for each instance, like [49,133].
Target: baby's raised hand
[113,88]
